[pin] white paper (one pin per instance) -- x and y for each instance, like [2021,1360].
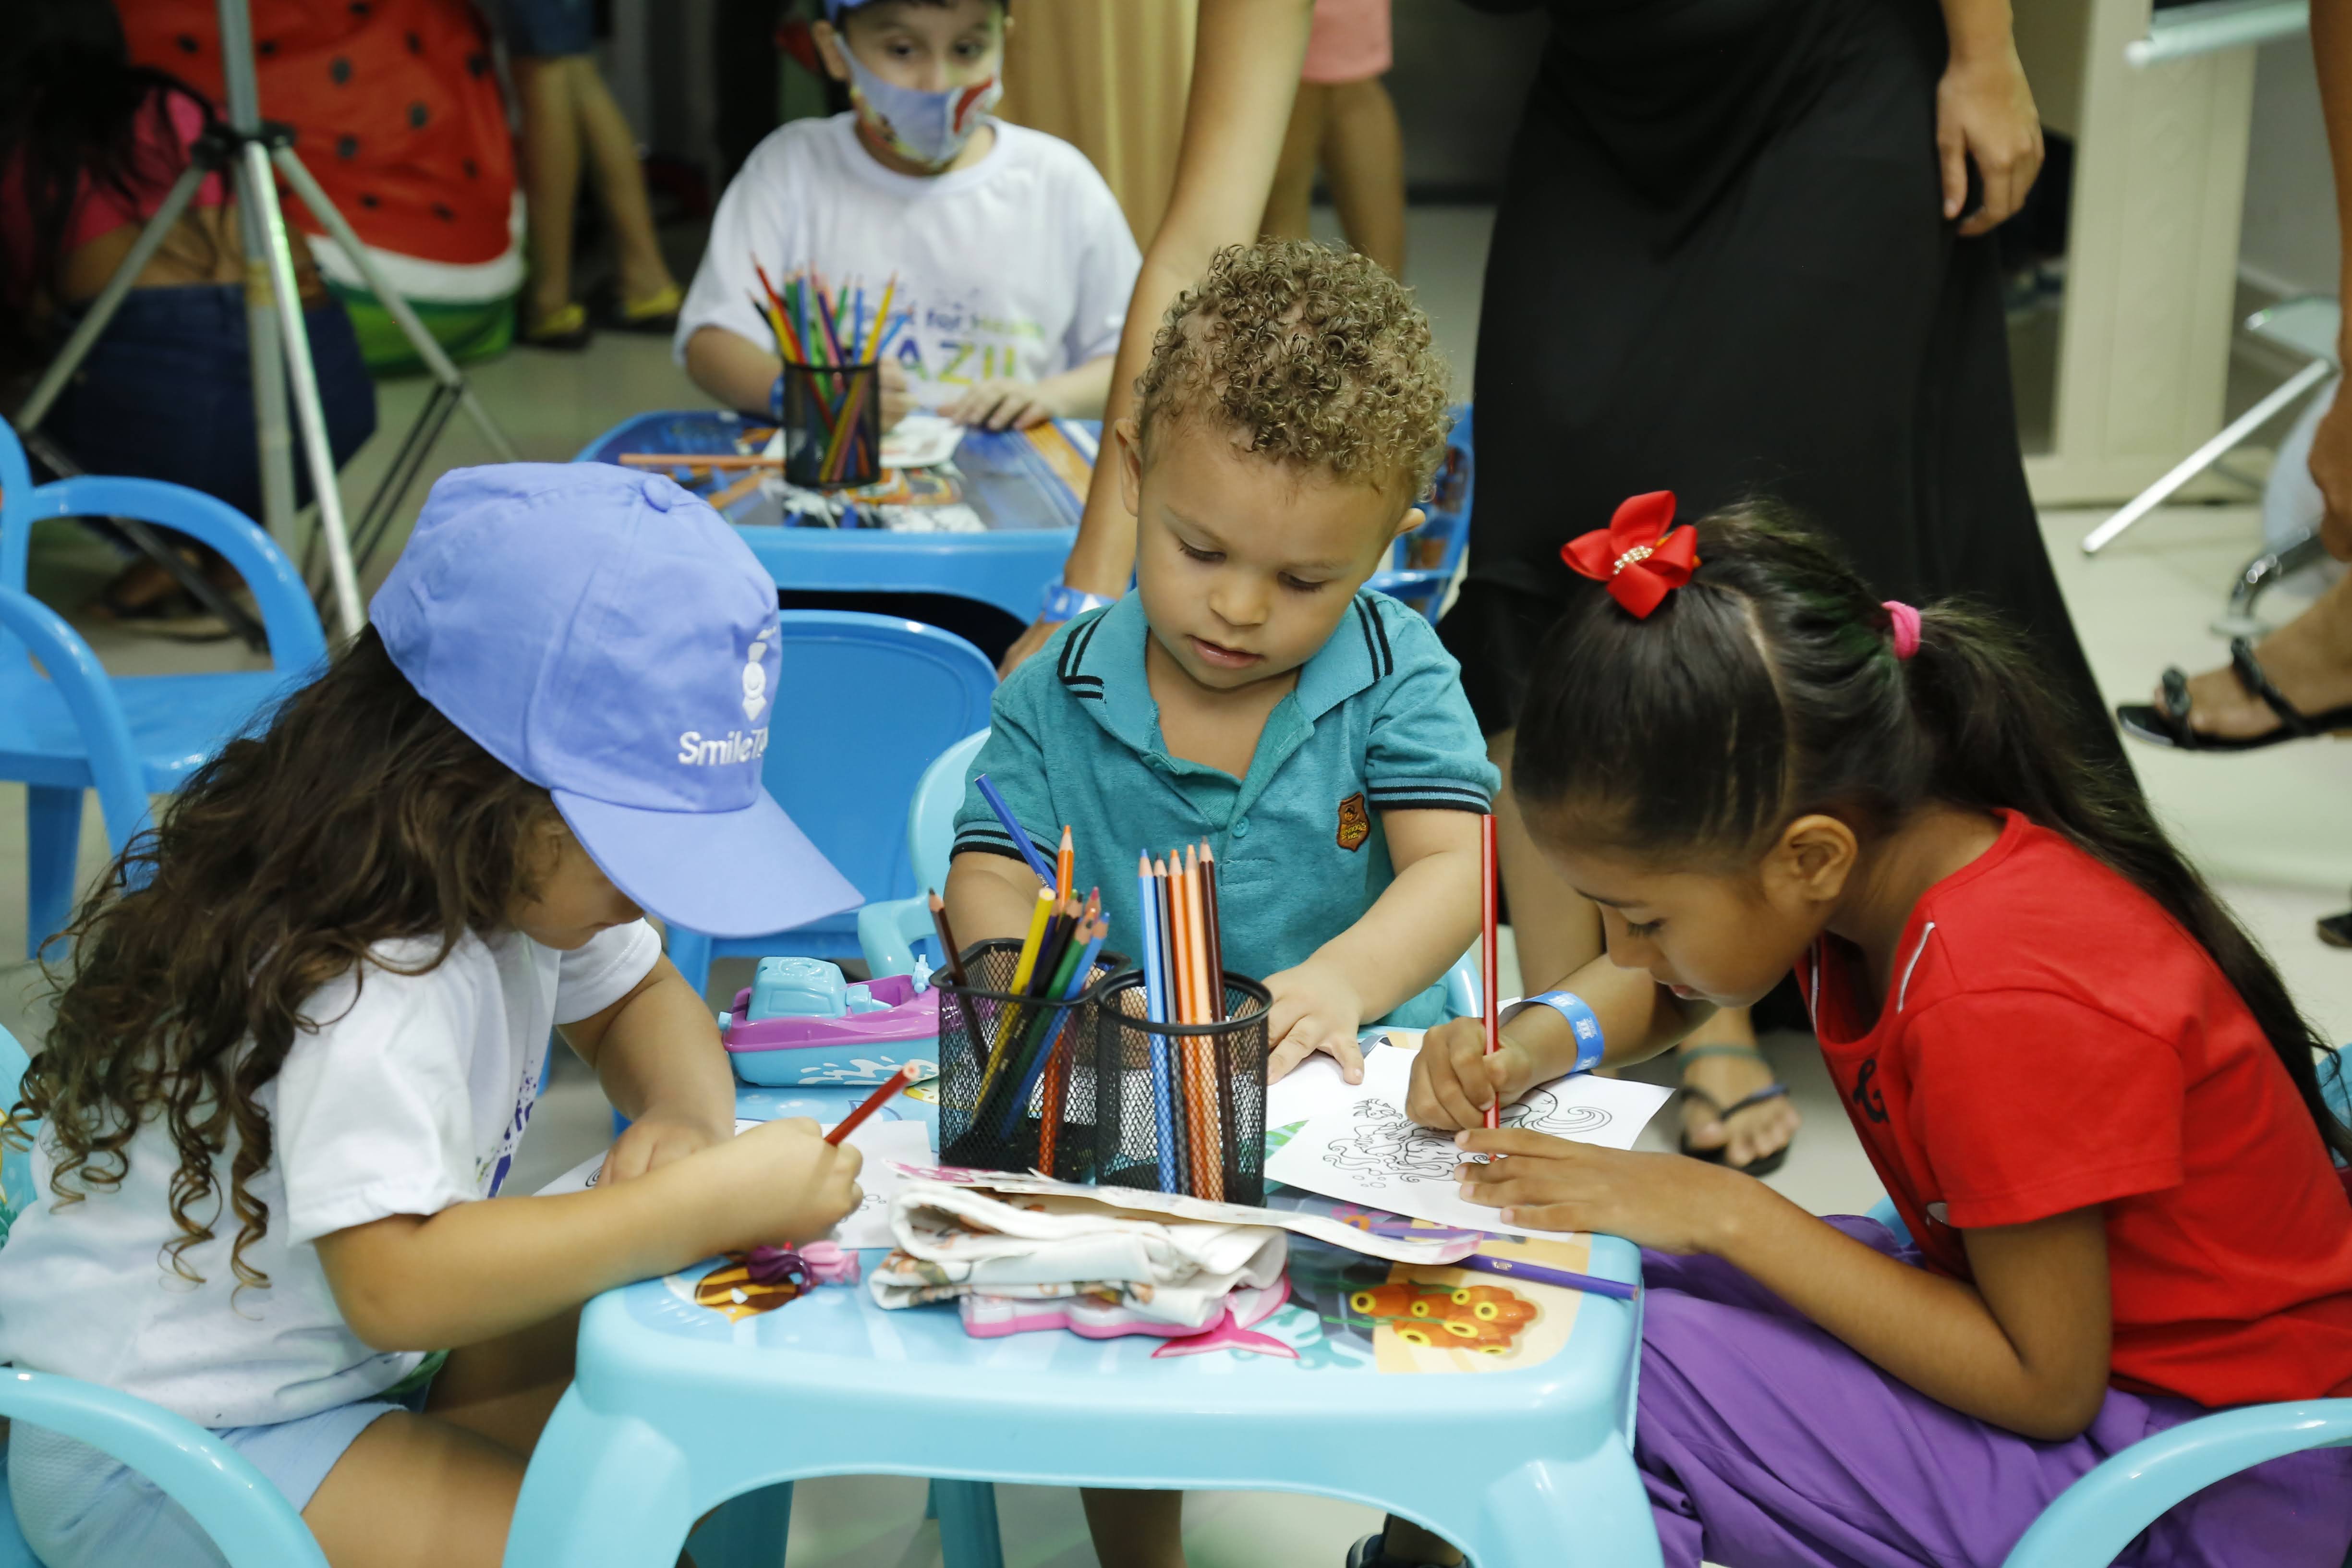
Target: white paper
[887,1145]
[920,440]
[1142,1201]
[1370,1152]
[1316,1085]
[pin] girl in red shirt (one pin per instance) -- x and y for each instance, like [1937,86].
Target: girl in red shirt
[2086,1089]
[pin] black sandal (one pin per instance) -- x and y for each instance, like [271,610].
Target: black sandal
[1763,1165]
[2335,931]
[2166,723]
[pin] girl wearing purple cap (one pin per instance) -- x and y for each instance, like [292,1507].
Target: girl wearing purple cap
[302,1027]
[2094,1106]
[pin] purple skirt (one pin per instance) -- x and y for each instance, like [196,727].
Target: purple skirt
[1766,1443]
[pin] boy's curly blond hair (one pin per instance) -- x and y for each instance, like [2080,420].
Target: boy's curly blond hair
[1318,356]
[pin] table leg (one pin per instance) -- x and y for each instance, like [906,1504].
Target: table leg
[601,1491]
[1547,1513]
[747,1531]
[968,1533]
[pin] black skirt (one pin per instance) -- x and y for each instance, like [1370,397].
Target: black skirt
[1720,267]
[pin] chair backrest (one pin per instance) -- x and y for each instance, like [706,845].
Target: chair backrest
[930,820]
[15,1163]
[15,499]
[1422,564]
[867,702]
[114,765]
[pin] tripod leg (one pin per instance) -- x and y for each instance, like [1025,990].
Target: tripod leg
[259,194]
[427,347]
[110,299]
[273,440]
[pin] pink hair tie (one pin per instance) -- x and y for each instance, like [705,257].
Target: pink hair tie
[1906,627]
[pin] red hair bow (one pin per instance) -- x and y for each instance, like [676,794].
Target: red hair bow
[1641,555]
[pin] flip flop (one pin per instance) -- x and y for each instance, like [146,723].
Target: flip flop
[1763,1165]
[2335,931]
[565,329]
[657,313]
[2165,723]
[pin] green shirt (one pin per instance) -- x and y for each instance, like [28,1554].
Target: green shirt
[1376,722]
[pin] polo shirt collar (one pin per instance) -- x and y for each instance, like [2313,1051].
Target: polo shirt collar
[1101,665]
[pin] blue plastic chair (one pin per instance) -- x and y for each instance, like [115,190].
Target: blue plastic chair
[867,701]
[890,930]
[1423,587]
[175,721]
[248,1518]
[2093,1520]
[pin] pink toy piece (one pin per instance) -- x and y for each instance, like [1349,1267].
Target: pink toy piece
[818,1263]
[906,1017]
[1091,1317]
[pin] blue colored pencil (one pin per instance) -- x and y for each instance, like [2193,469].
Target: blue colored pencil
[1566,1277]
[1155,1006]
[1013,827]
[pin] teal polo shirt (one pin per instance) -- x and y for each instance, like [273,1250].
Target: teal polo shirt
[1376,722]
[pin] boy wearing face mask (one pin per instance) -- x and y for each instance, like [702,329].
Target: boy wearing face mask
[1014,260]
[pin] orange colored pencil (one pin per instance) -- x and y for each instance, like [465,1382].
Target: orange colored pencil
[1210,1168]
[1065,864]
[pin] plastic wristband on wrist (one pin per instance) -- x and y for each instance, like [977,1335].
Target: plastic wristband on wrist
[1062,602]
[1581,1021]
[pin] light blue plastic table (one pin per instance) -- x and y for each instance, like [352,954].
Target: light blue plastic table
[1006,567]
[1522,1460]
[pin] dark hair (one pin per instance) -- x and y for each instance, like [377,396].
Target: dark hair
[358,815]
[1769,688]
[1003,7]
[70,106]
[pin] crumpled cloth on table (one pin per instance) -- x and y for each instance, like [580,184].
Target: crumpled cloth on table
[957,1241]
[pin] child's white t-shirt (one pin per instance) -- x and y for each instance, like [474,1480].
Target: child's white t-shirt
[406,1100]
[1015,268]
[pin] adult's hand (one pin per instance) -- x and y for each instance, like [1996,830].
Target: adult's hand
[1984,110]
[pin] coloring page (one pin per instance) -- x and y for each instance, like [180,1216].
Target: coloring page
[887,1145]
[1368,1150]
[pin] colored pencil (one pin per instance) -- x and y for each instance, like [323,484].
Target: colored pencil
[698,460]
[1208,1166]
[1065,864]
[1215,929]
[1164,896]
[1022,968]
[1013,830]
[950,956]
[874,1102]
[1068,981]
[1486,979]
[1568,1278]
[1155,1005]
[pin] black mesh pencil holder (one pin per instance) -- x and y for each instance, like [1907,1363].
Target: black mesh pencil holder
[1185,1102]
[1016,1075]
[831,419]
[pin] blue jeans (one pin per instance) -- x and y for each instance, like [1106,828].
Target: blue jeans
[167,394]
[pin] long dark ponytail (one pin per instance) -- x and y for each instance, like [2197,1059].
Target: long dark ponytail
[1769,688]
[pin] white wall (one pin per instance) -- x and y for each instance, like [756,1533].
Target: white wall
[2288,243]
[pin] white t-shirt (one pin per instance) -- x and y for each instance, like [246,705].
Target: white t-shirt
[406,1100]
[1016,268]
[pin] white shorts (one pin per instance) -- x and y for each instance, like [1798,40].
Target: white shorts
[79,1507]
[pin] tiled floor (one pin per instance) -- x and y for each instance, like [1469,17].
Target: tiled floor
[2268,828]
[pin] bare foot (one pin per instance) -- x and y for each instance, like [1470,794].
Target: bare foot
[2309,659]
[1726,1073]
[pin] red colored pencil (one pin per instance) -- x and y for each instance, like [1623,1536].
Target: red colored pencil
[850,1123]
[1487,962]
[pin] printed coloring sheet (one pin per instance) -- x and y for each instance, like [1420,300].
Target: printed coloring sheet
[887,1145]
[1360,1146]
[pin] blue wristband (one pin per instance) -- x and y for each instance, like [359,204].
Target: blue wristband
[1580,1019]
[1062,602]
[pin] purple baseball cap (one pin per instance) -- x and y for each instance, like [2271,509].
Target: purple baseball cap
[605,636]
